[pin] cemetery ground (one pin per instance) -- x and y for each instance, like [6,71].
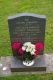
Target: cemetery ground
[12,7]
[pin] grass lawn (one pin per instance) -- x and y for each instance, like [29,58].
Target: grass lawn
[12,7]
[29,77]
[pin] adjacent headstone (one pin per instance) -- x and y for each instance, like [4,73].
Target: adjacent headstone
[27,27]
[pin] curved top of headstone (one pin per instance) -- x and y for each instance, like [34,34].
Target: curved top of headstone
[27,14]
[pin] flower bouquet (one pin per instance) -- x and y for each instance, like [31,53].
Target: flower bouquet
[27,51]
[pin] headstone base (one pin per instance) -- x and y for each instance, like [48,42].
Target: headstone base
[17,65]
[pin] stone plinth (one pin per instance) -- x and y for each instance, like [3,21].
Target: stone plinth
[17,65]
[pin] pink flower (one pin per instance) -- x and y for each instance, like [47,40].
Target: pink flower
[20,52]
[36,53]
[39,46]
[16,45]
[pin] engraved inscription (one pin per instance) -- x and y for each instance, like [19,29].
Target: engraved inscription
[27,28]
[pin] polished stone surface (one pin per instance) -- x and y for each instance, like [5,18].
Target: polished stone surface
[39,65]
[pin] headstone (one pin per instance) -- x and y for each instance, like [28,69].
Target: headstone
[27,27]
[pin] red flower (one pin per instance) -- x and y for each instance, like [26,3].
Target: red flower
[39,46]
[16,45]
[20,52]
[36,53]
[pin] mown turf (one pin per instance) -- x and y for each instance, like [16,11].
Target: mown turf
[12,7]
[29,77]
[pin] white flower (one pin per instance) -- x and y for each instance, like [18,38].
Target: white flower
[29,47]
[33,46]
[27,50]
[33,50]
[32,53]
[27,43]
[23,48]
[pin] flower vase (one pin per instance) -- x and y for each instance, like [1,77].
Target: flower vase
[28,59]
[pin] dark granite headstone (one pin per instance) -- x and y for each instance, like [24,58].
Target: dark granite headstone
[27,27]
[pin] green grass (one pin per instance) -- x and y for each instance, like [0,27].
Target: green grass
[29,77]
[12,7]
